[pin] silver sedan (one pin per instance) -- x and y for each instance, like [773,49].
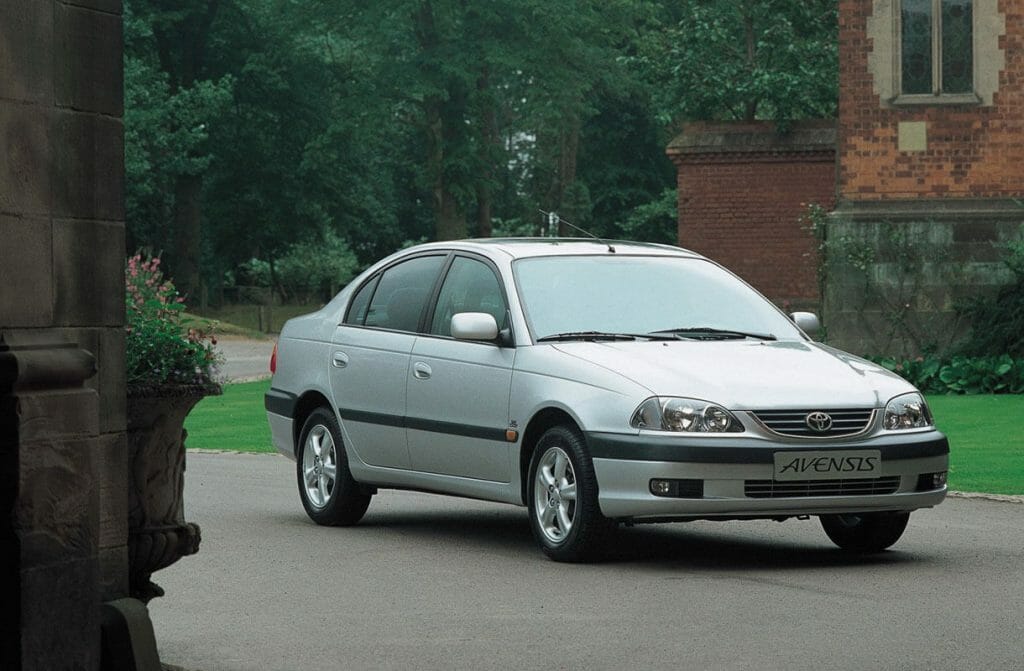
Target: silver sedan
[595,384]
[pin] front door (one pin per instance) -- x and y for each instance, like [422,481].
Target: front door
[458,391]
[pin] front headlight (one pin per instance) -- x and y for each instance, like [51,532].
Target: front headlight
[908,411]
[687,415]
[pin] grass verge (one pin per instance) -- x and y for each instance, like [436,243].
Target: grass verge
[986,433]
[986,441]
[234,421]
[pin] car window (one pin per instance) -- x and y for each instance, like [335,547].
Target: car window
[470,286]
[638,294]
[402,292]
[361,301]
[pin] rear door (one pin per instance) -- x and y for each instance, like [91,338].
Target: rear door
[370,359]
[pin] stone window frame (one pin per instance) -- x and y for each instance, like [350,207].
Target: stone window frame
[971,98]
[885,57]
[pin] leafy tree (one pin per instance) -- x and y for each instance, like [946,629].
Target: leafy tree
[166,47]
[745,59]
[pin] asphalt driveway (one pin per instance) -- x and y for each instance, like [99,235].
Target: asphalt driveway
[428,582]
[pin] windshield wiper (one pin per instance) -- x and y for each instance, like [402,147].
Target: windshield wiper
[587,335]
[709,333]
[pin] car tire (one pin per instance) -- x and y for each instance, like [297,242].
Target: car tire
[865,533]
[329,494]
[562,498]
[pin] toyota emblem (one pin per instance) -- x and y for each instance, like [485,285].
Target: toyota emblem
[819,422]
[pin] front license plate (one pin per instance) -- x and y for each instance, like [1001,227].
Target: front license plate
[828,465]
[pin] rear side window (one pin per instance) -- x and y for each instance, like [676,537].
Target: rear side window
[402,293]
[357,309]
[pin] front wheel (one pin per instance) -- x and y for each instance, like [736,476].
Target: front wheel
[865,533]
[329,494]
[562,498]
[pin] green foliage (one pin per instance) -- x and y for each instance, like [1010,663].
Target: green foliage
[897,268]
[960,375]
[159,349]
[742,60]
[252,125]
[322,266]
[997,323]
[655,221]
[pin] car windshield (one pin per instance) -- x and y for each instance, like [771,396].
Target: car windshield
[614,294]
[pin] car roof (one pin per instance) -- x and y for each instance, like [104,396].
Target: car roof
[531,247]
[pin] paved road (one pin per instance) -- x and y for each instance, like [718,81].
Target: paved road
[244,358]
[428,582]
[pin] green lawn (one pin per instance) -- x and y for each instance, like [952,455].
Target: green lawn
[986,433]
[986,441]
[234,421]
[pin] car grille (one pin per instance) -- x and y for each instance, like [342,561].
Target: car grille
[775,489]
[845,422]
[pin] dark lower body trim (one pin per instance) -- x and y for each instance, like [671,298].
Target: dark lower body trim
[749,451]
[280,402]
[420,424]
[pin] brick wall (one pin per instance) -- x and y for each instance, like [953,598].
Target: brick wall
[971,151]
[947,177]
[742,191]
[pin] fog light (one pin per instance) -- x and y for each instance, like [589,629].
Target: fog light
[927,482]
[661,487]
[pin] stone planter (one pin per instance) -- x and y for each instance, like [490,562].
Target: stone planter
[158,534]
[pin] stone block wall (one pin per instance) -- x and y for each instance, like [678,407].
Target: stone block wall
[743,189]
[63,465]
[927,258]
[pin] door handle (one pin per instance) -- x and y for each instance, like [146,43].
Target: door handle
[339,360]
[421,371]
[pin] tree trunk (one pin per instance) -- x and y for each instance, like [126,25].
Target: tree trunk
[188,230]
[490,150]
[565,174]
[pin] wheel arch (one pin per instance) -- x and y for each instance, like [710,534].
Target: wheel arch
[304,407]
[543,420]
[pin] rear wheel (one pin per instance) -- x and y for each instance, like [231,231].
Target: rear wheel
[562,498]
[865,532]
[329,494]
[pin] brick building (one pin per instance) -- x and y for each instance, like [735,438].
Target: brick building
[742,191]
[926,176]
[930,165]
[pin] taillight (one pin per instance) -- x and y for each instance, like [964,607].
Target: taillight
[273,360]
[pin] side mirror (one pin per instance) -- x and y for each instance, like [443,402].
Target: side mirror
[474,326]
[806,322]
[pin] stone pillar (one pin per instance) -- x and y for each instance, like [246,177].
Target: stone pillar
[63,520]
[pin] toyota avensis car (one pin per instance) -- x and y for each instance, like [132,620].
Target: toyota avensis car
[595,384]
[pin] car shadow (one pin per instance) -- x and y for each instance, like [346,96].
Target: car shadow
[672,546]
[690,547]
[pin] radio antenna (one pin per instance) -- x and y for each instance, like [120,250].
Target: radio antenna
[553,220]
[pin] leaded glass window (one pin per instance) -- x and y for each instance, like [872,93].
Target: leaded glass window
[936,46]
[957,47]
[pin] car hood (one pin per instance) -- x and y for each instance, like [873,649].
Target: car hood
[746,375]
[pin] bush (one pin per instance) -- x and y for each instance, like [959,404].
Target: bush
[997,324]
[960,375]
[322,266]
[159,350]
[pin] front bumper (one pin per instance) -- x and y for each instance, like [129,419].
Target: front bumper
[625,464]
